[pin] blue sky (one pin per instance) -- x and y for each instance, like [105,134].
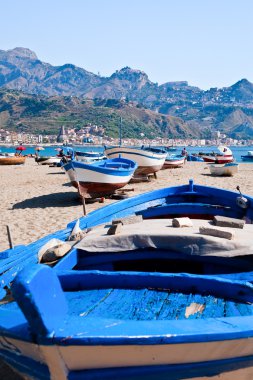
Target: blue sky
[206,42]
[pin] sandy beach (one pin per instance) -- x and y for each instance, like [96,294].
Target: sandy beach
[37,200]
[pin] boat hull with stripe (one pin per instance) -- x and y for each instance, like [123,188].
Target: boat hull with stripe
[226,170]
[173,161]
[12,160]
[103,177]
[149,160]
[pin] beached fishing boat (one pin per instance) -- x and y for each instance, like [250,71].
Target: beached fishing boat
[248,156]
[174,161]
[194,157]
[225,170]
[48,160]
[69,170]
[6,159]
[149,160]
[152,301]
[225,156]
[85,157]
[89,157]
[103,177]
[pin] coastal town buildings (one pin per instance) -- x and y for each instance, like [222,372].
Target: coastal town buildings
[95,135]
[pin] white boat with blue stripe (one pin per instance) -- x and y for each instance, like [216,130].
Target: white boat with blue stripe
[103,177]
[149,160]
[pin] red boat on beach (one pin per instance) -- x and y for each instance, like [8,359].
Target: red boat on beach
[225,156]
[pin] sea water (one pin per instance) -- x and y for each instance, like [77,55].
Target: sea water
[237,151]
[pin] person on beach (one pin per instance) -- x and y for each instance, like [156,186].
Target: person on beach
[184,152]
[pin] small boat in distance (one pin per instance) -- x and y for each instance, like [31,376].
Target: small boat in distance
[248,156]
[89,157]
[174,161]
[225,170]
[171,148]
[149,160]
[11,159]
[47,160]
[225,156]
[103,177]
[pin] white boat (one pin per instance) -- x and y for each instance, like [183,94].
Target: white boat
[103,177]
[226,170]
[85,157]
[149,160]
[89,157]
[50,160]
[174,161]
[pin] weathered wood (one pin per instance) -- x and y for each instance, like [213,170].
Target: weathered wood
[182,222]
[9,236]
[216,232]
[128,220]
[114,229]
[224,221]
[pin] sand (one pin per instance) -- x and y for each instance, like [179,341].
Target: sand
[37,199]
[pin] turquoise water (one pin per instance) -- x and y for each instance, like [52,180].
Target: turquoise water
[238,151]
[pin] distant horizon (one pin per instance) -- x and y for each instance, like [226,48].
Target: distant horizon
[207,44]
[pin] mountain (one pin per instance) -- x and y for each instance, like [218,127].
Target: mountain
[20,69]
[40,114]
[227,109]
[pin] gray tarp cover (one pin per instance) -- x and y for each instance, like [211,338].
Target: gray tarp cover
[159,233]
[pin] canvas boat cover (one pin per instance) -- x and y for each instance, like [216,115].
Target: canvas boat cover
[159,233]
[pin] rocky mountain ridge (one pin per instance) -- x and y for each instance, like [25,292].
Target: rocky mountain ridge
[227,109]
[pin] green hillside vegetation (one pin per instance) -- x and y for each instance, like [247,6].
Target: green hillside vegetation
[39,114]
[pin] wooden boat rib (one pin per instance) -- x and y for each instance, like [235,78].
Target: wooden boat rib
[12,160]
[152,301]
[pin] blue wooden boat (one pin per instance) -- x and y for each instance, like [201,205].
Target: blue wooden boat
[194,157]
[103,177]
[85,157]
[174,161]
[248,157]
[152,301]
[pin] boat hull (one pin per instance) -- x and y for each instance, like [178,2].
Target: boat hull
[226,170]
[13,160]
[229,360]
[48,160]
[171,163]
[96,180]
[247,158]
[148,162]
[216,159]
[70,173]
